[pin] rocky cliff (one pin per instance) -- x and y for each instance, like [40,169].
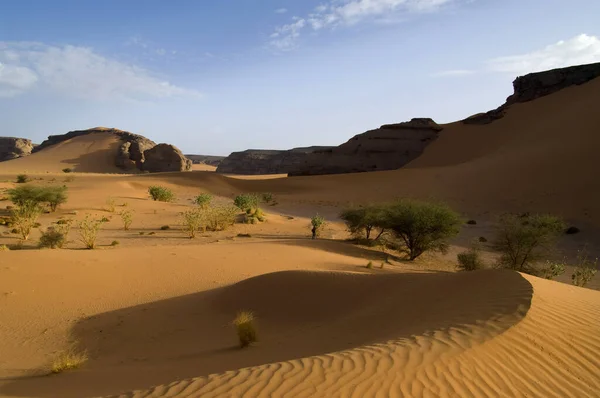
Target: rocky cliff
[259,161]
[133,151]
[12,148]
[205,159]
[536,85]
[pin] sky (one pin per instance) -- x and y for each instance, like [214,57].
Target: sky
[212,77]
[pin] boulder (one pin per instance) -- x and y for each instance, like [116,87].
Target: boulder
[13,148]
[165,157]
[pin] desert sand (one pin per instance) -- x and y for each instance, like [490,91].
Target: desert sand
[153,313]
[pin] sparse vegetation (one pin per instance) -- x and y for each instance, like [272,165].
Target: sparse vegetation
[370,265]
[361,221]
[127,218]
[470,260]
[52,238]
[524,241]
[245,328]
[203,200]
[267,197]
[553,269]
[220,218]
[111,205]
[161,194]
[22,178]
[67,170]
[24,218]
[165,228]
[88,231]
[585,269]
[4,248]
[115,243]
[255,216]
[246,202]
[53,195]
[193,220]
[317,223]
[68,360]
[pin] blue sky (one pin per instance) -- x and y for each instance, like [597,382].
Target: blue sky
[214,77]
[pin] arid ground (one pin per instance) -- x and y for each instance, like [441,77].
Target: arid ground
[154,311]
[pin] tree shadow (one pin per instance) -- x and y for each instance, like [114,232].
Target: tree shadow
[299,314]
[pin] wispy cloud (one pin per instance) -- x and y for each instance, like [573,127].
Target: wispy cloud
[335,13]
[582,49]
[281,11]
[77,72]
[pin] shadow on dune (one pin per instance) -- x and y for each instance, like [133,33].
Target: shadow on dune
[98,161]
[299,314]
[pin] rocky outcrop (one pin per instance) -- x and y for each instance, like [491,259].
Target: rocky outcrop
[205,159]
[165,157]
[536,85]
[13,148]
[259,161]
[389,147]
[131,151]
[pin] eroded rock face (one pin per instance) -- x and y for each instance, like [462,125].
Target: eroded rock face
[165,157]
[13,148]
[259,161]
[205,159]
[536,85]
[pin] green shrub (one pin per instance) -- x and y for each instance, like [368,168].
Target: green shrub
[361,221]
[53,195]
[317,224]
[422,226]
[127,218]
[161,194]
[245,328]
[523,241]
[267,197]
[553,269]
[52,238]
[255,216]
[246,202]
[22,178]
[193,220]
[4,248]
[88,231]
[115,243]
[470,260]
[67,361]
[585,269]
[24,218]
[67,170]
[370,265]
[203,200]
[219,218]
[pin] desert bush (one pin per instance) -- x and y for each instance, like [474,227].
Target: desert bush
[585,269]
[111,205]
[203,200]
[470,260]
[245,328]
[68,360]
[127,218]
[115,243]
[165,228]
[553,269]
[255,216]
[317,224]
[422,226]
[246,202]
[193,220]
[22,178]
[53,195]
[361,221]
[523,241]
[4,248]
[88,231]
[52,238]
[267,197]
[370,265]
[67,170]
[161,194]
[24,218]
[219,218]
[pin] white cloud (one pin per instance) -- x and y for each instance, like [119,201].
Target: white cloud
[77,72]
[334,13]
[582,49]
[281,11]
[454,73]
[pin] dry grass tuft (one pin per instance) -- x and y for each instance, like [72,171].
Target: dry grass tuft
[245,328]
[68,360]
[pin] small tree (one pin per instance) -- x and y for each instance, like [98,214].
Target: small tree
[53,196]
[24,218]
[88,231]
[246,202]
[317,223]
[423,226]
[584,270]
[364,219]
[161,194]
[203,200]
[127,218]
[523,241]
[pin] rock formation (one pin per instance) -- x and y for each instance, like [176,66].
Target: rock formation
[12,148]
[259,161]
[205,159]
[133,151]
[536,85]
[165,157]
